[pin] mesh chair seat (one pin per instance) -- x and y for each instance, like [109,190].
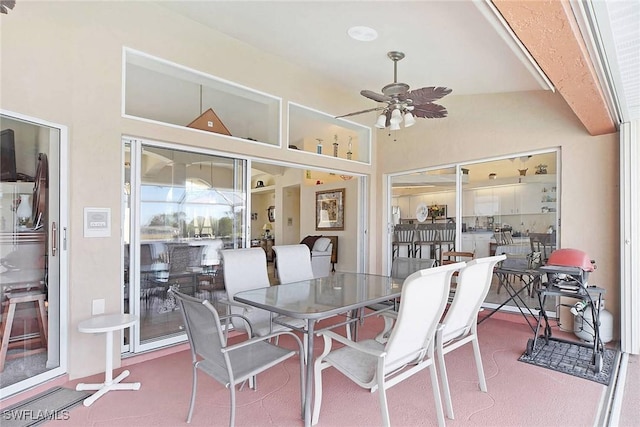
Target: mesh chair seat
[228,364]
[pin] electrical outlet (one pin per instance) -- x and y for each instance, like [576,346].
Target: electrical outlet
[97,306]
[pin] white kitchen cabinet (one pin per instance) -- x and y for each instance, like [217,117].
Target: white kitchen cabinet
[477,243]
[486,202]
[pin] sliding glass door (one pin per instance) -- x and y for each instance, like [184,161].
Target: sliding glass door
[506,205]
[182,207]
[33,253]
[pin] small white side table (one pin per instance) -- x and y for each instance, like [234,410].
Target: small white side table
[107,323]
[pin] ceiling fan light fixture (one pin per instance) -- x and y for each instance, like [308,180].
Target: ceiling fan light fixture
[362,33]
[394,126]
[409,120]
[381,123]
[396,117]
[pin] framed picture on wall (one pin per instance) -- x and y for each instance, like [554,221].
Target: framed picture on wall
[330,210]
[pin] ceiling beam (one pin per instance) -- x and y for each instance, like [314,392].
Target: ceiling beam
[550,32]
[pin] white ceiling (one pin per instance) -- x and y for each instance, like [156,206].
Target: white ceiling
[447,43]
[453,43]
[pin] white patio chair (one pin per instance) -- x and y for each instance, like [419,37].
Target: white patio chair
[293,263]
[228,364]
[460,324]
[410,347]
[246,269]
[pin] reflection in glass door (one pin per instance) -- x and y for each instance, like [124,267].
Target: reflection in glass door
[508,205]
[32,254]
[184,207]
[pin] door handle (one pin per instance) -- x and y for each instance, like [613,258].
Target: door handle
[54,238]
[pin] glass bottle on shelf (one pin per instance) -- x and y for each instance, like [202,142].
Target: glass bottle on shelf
[319,146]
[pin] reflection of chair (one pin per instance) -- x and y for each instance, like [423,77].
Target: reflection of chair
[459,325]
[410,347]
[228,364]
[210,281]
[446,239]
[503,237]
[543,243]
[402,236]
[450,257]
[425,237]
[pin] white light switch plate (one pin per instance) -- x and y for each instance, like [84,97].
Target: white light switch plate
[97,306]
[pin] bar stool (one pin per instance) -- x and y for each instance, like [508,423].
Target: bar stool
[425,237]
[7,319]
[446,239]
[402,237]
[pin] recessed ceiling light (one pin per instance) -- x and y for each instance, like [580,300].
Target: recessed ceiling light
[362,33]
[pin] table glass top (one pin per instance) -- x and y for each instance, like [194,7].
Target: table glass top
[323,297]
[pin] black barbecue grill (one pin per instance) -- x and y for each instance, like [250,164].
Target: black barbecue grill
[568,272]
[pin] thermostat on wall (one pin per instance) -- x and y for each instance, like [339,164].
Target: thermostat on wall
[97,222]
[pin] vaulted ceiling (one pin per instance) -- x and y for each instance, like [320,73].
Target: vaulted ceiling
[473,47]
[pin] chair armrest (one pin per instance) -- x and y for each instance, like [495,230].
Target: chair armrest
[263,338]
[329,335]
[246,320]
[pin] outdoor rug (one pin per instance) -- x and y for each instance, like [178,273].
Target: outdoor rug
[572,359]
[53,404]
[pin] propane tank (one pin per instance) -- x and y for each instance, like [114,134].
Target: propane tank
[583,321]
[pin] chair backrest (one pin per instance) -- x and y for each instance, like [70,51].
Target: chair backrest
[450,257]
[244,269]
[203,327]
[403,235]
[211,251]
[181,257]
[447,234]
[293,263]
[402,267]
[474,281]
[503,237]
[422,302]
[426,235]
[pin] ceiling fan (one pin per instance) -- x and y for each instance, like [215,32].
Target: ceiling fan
[402,103]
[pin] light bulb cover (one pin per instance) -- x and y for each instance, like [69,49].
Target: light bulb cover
[381,123]
[409,120]
[394,126]
[396,116]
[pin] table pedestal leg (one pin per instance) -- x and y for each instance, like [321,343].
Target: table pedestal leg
[109,383]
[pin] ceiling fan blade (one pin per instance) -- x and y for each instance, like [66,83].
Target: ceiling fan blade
[375,96]
[361,112]
[426,95]
[429,111]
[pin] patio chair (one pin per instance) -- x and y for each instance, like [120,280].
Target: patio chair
[293,263]
[230,365]
[409,350]
[246,269]
[460,325]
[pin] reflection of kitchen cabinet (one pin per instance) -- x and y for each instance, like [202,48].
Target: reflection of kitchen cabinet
[486,202]
[478,243]
[548,198]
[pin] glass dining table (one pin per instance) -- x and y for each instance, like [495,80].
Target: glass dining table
[319,299]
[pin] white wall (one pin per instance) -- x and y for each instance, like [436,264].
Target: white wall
[62,62]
